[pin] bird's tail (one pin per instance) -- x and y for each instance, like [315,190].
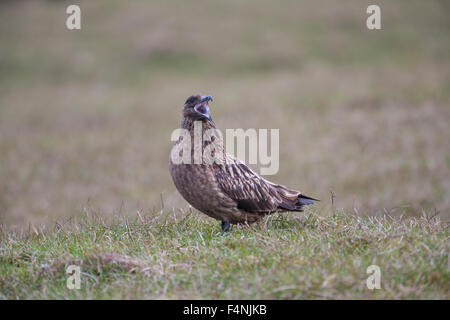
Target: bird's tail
[305,200]
[292,200]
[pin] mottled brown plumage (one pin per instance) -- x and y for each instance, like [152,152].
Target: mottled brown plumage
[228,191]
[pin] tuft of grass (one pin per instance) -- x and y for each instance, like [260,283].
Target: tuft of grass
[182,255]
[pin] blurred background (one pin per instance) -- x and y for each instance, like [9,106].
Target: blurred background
[86,115]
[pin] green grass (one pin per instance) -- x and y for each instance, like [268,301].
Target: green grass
[185,256]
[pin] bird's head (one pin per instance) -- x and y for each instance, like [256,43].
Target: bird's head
[196,108]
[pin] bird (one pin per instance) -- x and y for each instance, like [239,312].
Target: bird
[226,190]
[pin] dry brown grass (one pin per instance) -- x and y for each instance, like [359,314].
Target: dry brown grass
[86,116]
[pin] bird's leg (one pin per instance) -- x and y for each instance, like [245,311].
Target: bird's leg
[225,226]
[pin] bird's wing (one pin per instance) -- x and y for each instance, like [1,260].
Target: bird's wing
[250,191]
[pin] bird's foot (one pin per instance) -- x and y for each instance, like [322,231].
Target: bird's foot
[225,226]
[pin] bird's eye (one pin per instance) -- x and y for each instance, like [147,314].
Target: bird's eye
[190,100]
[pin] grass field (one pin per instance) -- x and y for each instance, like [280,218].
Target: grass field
[182,256]
[86,118]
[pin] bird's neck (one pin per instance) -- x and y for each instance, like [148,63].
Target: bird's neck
[189,124]
[203,133]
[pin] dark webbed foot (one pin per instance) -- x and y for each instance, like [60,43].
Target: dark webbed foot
[225,226]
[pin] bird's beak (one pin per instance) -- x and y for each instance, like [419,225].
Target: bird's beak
[203,107]
[207,98]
